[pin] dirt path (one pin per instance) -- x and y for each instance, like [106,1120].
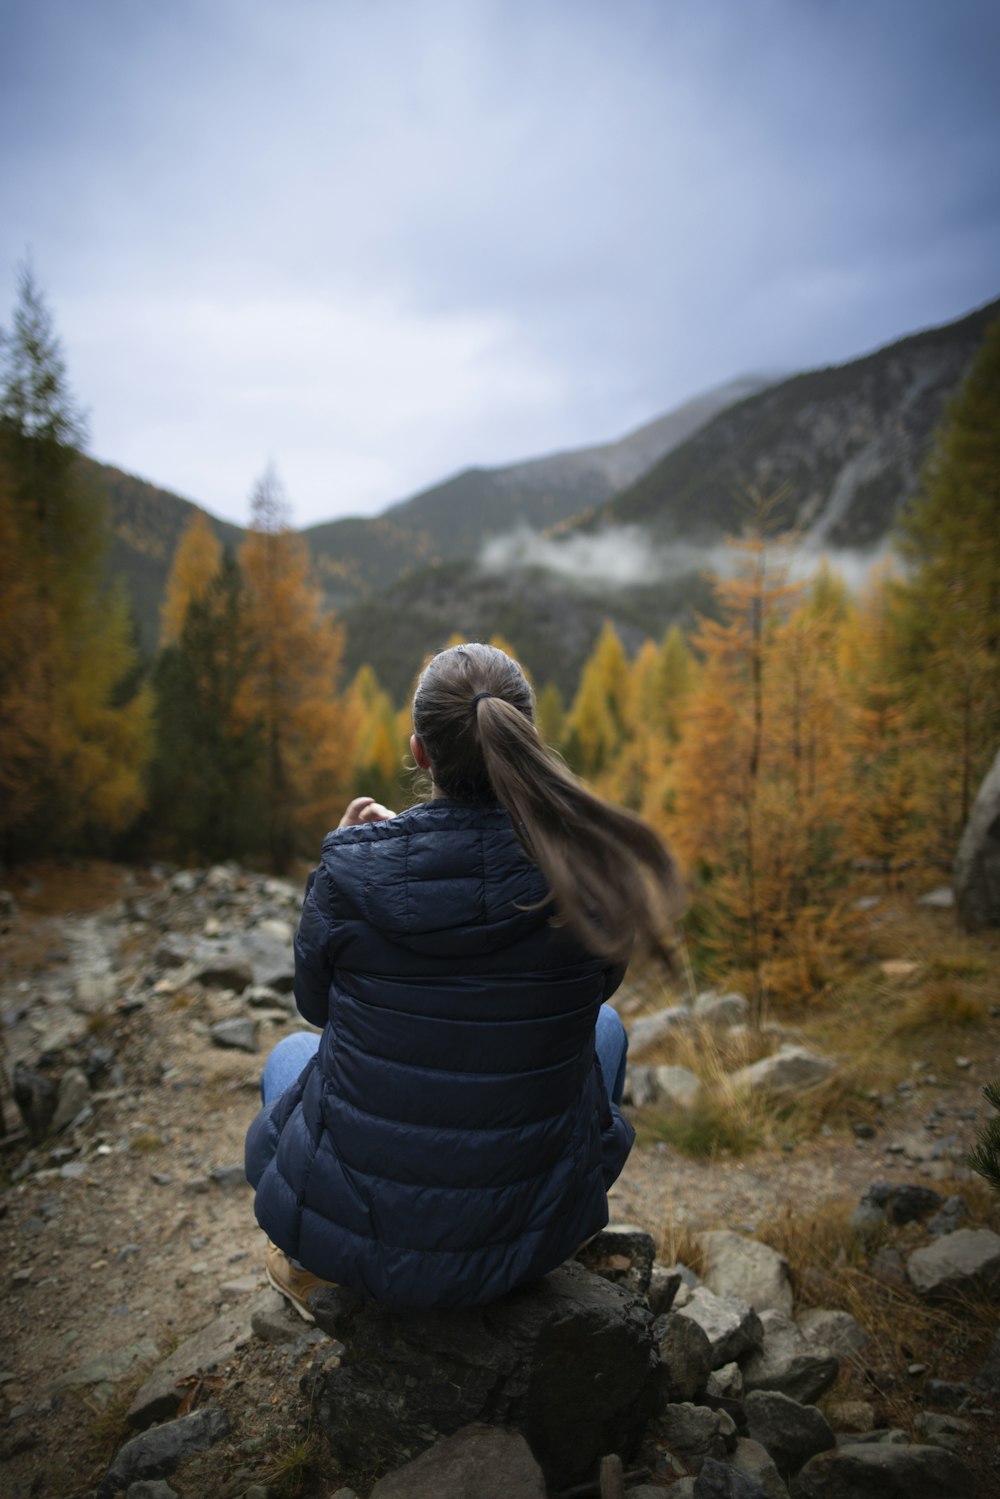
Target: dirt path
[134,1229]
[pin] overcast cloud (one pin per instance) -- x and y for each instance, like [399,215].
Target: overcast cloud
[375,241]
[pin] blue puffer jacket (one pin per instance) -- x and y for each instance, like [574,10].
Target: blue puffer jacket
[453,1136]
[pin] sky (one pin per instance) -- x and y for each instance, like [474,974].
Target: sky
[373,242]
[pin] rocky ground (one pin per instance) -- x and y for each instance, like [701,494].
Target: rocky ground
[137,1007]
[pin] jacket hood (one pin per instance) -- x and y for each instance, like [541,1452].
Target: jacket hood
[442,878]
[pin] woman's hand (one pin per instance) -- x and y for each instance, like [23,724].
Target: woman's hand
[364,809]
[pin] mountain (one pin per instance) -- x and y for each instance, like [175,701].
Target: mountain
[357,557]
[841,446]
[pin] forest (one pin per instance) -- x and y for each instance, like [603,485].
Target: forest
[803,743]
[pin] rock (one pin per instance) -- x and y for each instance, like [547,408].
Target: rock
[685,1356]
[229,1177]
[223,972]
[730,1323]
[209,1348]
[664,1283]
[755,1461]
[909,1203]
[976,877]
[952,1215]
[274,1321]
[722,1010]
[718,1480]
[651,1028]
[944,1431]
[888,1267]
[105,1369]
[674,1087]
[736,1265]
[790,1071]
[73,1095]
[154,1454]
[966,1262]
[478,1462]
[260,997]
[945,1394]
[151,1488]
[568,1361]
[788,1362]
[694,1432]
[238,1034]
[790,1432]
[185,882]
[941,899]
[988,1378]
[726,1383]
[837,1331]
[35,1094]
[622,1254]
[879,1470]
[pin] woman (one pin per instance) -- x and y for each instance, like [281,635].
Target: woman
[454,1130]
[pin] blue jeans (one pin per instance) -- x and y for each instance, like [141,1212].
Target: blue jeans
[288,1058]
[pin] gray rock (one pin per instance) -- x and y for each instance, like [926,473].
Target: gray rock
[987,1380]
[756,1462]
[694,1432]
[478,1462]
[206,1350]
[726,1382]
[941,899]
[274,1321]
[945,1394]
[944,1431]
[685,1356]
[790,1432]
[837,1331]
[260,997]
[35,1094]
[568,1361]
[790,1071]
[909,1202]
[851,1415]
[722,1010]
[788,1362]
[976,876]
[154,1454]
[73,1095]
[229,1177]
[649,1029]
[622,1254]
[673,1087]
[221,971]
[718,1480]
[238,1034]
[880,1470]
[150,1488]
[106,1368]
[185,882]
[736,1265]
[952,1215]
[664,1283]
[730,1323]
[966,1262]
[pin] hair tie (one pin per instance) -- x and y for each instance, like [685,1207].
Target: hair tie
[480,695]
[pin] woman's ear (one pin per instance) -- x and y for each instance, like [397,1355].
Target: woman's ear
[419,753]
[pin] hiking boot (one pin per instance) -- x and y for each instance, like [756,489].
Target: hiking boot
[291,1281]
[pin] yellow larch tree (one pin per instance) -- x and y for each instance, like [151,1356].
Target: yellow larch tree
[196,562]
[292,688]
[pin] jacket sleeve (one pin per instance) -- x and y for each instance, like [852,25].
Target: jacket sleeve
[313,971]
[612,979]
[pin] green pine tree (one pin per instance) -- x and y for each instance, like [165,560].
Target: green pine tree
[984,1158]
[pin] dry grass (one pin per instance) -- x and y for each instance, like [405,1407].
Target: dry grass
[940,1004]
[294,1467]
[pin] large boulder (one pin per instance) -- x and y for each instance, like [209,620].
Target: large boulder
[880,1470]
[788,1362]
[790,1432]
[736,1265]
[569,1362]
[966,1262]
[478,1462]
[977,865]
[649,1029]
[730,1323]
[790,1071]
[673,1087]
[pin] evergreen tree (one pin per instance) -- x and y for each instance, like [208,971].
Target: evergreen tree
[206,774]
[73,743]
[950,602]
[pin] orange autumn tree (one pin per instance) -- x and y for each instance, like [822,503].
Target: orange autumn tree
[597,722]
[195,565]
[291,688]
[757,817]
